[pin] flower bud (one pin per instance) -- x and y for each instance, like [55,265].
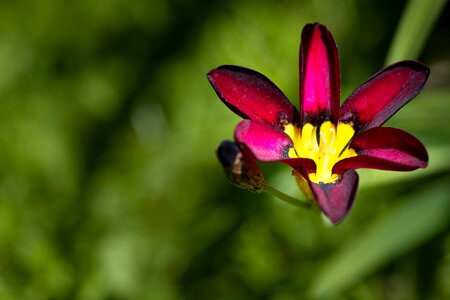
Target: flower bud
[240,167]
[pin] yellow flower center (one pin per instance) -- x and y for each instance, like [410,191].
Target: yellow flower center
[325,148]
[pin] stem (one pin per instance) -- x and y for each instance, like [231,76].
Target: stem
[282,196]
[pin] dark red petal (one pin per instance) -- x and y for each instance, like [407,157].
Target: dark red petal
[300,163]
[336,199]
[266,142]
[319,75]
[374,102]
[385,148]
[252,95]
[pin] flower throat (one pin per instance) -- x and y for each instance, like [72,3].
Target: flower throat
[325,148]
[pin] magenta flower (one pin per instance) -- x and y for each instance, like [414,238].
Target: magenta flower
[324,143]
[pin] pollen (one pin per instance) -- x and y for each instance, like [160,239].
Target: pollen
[325,145]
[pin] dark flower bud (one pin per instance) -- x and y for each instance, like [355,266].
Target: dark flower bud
[240,167]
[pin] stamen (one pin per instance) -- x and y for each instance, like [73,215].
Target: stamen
[327,136]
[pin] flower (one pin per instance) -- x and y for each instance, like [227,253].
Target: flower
[321,141]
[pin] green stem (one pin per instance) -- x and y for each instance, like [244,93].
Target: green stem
[282,196]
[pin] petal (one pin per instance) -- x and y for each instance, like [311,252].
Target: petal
[299,163]
[319,75]
[266,142]
[336,199]
[374,102]
[385,148]
[252,95]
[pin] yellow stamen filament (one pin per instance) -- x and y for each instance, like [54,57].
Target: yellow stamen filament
[326,148]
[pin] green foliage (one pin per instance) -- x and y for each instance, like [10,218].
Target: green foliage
[405,226]
[109,186]
[414,28]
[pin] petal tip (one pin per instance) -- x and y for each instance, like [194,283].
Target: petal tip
[214,72]
[414,65]
[314,26]
[336,199]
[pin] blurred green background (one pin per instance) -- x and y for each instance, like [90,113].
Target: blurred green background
[109,185]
